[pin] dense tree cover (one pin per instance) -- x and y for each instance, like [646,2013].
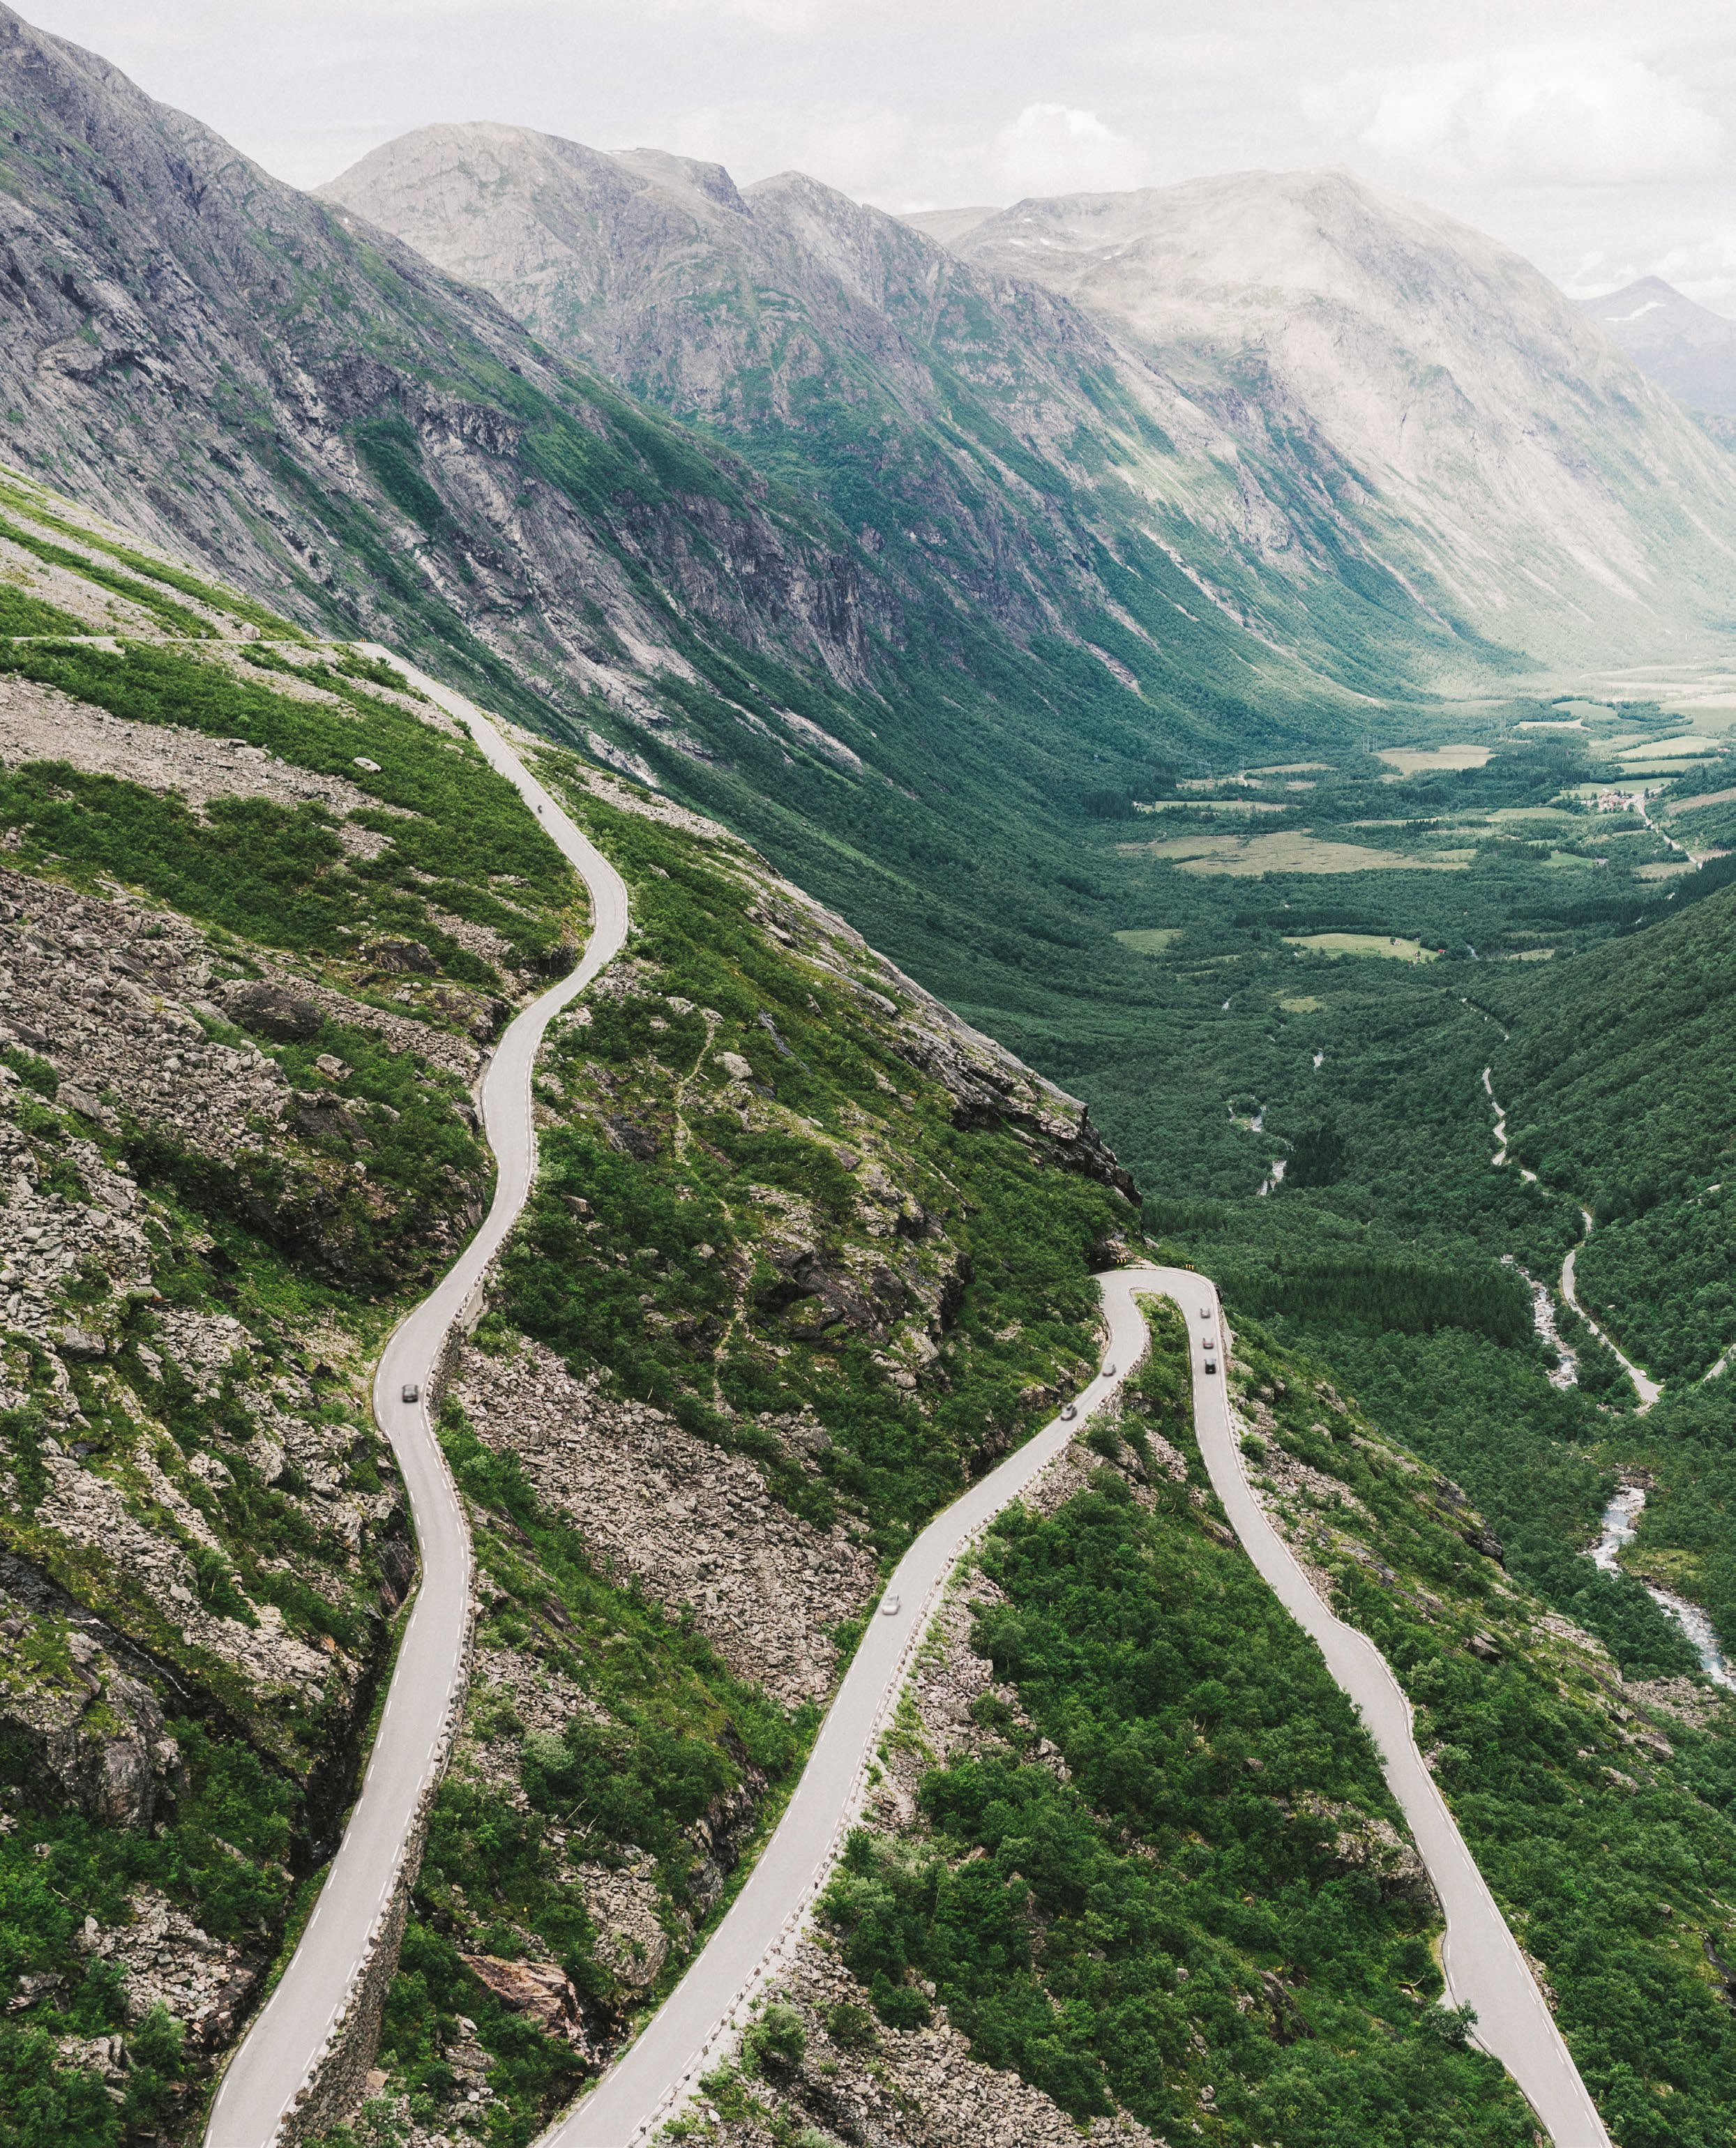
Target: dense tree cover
[1622,1073]
[1383,1293]
[1611,1848]
[1179,1923]
[1689,1542]
[1525,1453]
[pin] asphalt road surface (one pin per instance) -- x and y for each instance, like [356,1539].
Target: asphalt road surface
[278,2054]
[1483,1966]
[1484,1969]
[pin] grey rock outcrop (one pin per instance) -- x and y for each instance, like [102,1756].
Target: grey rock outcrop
[67,1693]
[919,2088]
[202,287]
[693,1525]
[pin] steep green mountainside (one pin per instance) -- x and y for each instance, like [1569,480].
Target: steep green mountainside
[1621,1082]
[261,909]
[257,381]
[1128,1848]
[807,1255]
[1502,449]
[1620,1079]
[980,435]
[1601,1807]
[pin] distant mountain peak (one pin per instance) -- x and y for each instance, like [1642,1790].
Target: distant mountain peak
[1684,347]
[1336,375]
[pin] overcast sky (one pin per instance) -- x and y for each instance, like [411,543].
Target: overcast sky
[1596,136]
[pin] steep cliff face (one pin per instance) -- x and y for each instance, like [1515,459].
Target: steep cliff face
[1504,451]
[224,363]
[876,676]
[978,428]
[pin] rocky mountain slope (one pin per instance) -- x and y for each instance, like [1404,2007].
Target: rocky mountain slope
[1685,347]
[1349,389]
[261,910]
[806,1254]
[1486,437]
[974,430]
[280,391]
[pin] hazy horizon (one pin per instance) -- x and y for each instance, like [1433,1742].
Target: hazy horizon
[1598,140]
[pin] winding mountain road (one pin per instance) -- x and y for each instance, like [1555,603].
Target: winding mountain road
[281,2051]
[1483,1966]
[1480,1958]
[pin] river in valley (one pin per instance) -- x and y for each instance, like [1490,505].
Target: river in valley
[1621,1524]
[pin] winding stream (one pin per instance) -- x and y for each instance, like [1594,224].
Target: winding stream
[1644,1386]
[1621,1525]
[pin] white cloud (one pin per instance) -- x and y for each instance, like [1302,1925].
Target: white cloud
[1057,149]
[1562,116]
[863,150]
[1705,269]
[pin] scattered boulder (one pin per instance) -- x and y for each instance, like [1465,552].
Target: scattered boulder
[635,1140]
[402,958]
[273,1011]
[541,1990]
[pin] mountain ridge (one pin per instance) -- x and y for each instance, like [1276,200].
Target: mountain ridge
[1684,347]
[1378,394]
[817,335]
[1507,441]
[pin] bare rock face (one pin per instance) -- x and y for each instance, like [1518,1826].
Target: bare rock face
[622,1903]
[131,331]
[98,1732]
[273,1010]
[1461,394]
[901,2089]
[695,1526]
[540,1991]
[1375,375]
[1364,1843]
[165,1959]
